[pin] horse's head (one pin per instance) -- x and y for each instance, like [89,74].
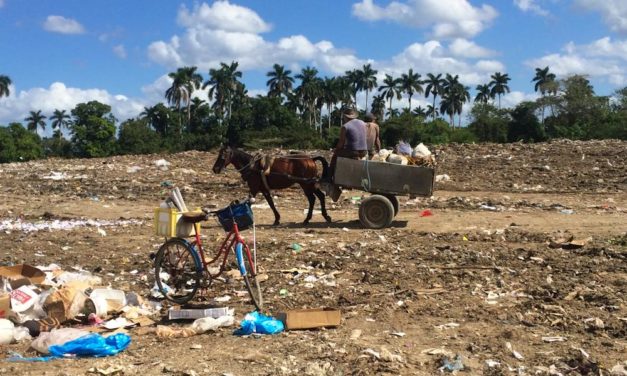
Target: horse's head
[224,159]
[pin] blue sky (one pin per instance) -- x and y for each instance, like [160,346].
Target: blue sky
[60,53]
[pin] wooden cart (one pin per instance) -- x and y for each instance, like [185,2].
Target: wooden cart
[385,181]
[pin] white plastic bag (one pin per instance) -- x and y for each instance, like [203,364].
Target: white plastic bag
[206,324]
[56,337]
[421,151]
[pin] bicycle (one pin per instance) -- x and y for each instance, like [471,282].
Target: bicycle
[181,265]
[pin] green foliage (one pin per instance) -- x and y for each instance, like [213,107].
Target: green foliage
[525,125]
[57,147]
[18,144]
[93,130]
[489,124]
[136,137]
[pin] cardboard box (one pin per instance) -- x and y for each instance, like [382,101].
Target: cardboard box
[310,318]
[20,275]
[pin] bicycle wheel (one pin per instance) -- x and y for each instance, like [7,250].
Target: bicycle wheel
[245,264]
[177,271]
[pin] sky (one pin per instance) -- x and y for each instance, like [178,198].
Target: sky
[119,52]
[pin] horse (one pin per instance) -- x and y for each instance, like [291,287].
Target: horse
[284,172]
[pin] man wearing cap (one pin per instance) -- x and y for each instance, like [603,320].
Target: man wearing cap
[372,135]
[352,143]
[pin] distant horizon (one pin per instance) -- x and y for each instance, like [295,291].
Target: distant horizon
[119,54]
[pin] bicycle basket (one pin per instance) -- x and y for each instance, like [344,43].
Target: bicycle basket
[242,213]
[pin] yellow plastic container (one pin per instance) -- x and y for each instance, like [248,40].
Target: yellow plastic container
[169,223]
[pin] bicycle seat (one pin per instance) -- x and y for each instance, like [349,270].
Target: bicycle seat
[194,217]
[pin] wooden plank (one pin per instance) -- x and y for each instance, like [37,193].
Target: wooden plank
[383,177]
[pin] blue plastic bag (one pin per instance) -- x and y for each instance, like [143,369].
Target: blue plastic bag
[93,345]
[255,322]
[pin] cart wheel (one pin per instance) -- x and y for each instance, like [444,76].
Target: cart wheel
[394,202]
[376,212]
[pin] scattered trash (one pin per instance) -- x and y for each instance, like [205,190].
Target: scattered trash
[449,325]
[296,248]
[398,334]
[199,326]
[454,365]
[257,323]
[425,213]
[28,227]
[553,339]
[492,363]
[442,178]
[355,334]
[567,211]
[192,314]
[162,164]
[515,353]
[310,318]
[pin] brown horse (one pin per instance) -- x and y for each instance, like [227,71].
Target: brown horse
[284,172]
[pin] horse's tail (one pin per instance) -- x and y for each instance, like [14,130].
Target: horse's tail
[325,165]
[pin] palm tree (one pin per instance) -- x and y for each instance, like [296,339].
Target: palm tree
[280,82]
[367,80]
[34,120]
[390,89]
[419,111]
[545,82]
[184,81]
[410,84]
[453,98]
[224,85]
[60,120]
[432,111]
[483,94]
[5,82]
[309,90]
[329,95]
[352,78]
[158,118]
[498,85]
[378,106]
[435,86]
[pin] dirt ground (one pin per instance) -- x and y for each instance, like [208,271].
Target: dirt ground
[476,275]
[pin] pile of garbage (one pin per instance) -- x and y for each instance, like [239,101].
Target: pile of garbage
[404,154]
[37,302]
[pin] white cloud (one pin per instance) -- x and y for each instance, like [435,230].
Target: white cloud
[531,6]
[60,24]
[120,51]
[223,32]
[603,58]
[222,15]
[432,57]
[614,12]
[58,96]
[513,98]
[448,18]
[465,48]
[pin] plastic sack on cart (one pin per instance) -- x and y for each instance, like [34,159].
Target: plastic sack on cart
[403,148]
[255,322]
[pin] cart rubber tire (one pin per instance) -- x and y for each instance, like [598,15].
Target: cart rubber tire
[376,212]
[394,202]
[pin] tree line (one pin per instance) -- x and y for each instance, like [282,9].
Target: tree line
[303,110]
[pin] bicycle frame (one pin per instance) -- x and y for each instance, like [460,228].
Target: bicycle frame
[231,239]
